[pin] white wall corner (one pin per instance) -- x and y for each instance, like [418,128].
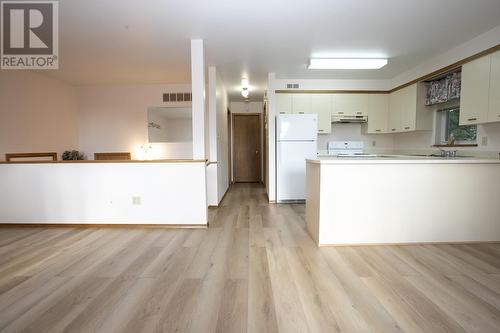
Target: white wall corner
[198,97]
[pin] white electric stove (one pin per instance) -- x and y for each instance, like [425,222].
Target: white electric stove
[347,149]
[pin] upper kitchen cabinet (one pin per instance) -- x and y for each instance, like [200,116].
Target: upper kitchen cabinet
[474,99]
[301,103]
[494,102]
[283,103]
[407,111]
[378,112]
[350,104]
[321,104]
[394,115]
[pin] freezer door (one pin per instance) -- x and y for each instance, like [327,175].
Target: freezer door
[291,169]
[296,127]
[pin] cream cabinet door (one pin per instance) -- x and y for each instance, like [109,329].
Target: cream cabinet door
[494,103]
[321,105]
[283,103]
[395,110]
[378,111]
[409,108]
[301,103]
[474,97]
[350,104]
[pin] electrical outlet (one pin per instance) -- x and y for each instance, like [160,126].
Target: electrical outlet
[374,143]
[136,201]
[484,140]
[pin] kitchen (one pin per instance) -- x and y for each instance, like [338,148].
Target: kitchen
[453,109]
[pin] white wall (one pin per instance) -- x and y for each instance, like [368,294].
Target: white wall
[422,142]
[243,107]
[160,134]
[95,193]
[180,130]
[37,114]
[113,118]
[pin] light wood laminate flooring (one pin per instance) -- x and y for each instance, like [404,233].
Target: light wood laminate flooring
[254,270]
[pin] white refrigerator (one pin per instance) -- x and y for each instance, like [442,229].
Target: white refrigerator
[296,141]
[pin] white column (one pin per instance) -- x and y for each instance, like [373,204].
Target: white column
[271,114]
[212,114]
[212,198]
[198,99]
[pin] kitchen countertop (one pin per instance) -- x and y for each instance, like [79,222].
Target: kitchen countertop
[401,159]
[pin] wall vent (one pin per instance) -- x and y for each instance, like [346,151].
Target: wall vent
[292,86]
[177,97]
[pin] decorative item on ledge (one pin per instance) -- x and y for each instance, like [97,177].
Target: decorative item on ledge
[154,125]
[9,157]
[72,155]
[444,89]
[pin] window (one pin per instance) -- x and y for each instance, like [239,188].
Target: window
[448,126]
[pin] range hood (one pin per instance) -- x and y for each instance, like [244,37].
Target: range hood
[349,119]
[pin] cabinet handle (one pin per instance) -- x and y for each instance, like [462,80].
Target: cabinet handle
[282,112]
[393,129]
[359,112]
[301,112]
[407,128]
[341,112]
[320,130]
[377,130]
[471,119]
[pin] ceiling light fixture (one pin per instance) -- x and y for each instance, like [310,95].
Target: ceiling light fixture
[244,92]
[346,63]
[244,87]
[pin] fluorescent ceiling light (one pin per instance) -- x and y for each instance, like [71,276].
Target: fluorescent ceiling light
[244,93]
[244,83]
[346,63]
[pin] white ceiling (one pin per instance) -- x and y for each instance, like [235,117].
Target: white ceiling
[106,41]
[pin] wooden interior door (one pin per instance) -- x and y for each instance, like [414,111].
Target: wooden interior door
[246,148]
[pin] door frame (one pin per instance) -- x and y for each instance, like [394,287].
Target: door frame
[260,141]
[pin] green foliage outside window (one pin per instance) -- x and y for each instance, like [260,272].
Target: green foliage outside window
[465,133]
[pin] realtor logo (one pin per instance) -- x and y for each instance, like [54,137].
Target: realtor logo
[29,38]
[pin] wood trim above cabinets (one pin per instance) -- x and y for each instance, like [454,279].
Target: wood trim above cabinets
[448,68]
